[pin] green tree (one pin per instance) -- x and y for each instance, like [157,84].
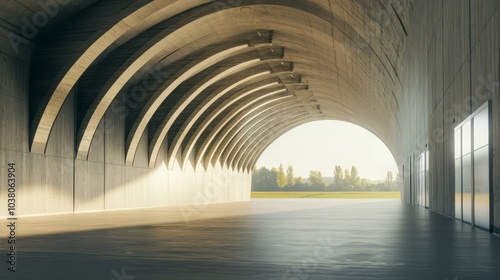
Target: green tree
[389,178]
[299,180]
[281,178]
[338,176]
[363,185]
[273,178]
[354,176]
[290,180]
[347,180]
[264,179]
[316,180]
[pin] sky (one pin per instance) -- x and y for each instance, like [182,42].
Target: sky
[322,145]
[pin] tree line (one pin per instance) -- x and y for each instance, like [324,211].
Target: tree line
[277,179]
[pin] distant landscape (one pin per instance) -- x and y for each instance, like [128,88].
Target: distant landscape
[343,180]
[351,195]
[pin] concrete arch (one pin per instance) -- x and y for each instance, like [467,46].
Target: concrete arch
[190,96]
[259,136]
[271,123]
[87,136]
[205,104]
[201,153]
[168,87]
[265,84]
[142,59]
[239,124]
[265,118]
[244,106]
[273,96]
[139,20]
[253,158]
[209,101]
[270,84]
[231,146]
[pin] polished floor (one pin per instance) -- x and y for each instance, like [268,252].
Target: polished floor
[282,239]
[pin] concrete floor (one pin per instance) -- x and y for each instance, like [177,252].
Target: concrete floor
[261,239]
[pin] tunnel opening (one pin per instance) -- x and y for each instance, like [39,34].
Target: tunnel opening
[327,156]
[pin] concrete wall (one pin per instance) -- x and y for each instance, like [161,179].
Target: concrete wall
[451,69]
[57,183]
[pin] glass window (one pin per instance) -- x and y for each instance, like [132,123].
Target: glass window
[458,143]
[427,179]
[482,188]
[467,188]
[472,169]
[481,129]
[458,188]
[466,138]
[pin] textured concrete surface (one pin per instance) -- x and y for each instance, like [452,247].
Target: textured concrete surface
[261,239]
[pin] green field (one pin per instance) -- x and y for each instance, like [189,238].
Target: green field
[374,195]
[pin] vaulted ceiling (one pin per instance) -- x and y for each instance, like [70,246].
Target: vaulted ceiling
[218,80]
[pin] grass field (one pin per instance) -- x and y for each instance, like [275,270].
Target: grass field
[374,195]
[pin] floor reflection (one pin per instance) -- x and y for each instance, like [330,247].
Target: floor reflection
[262,239]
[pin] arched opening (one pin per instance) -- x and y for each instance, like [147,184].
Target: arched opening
[329,156]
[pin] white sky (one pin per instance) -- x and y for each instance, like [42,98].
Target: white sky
[322,145]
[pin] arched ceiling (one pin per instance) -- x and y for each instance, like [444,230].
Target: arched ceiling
[217,80]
